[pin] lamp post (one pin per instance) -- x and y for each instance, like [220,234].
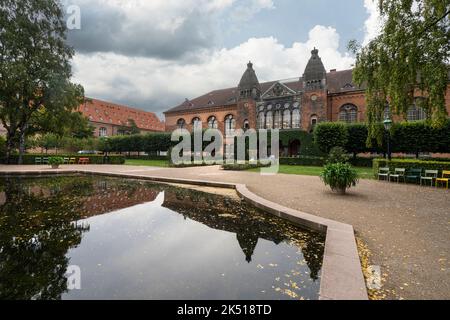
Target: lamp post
[387,125]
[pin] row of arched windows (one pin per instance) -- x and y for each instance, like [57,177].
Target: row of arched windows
[349,113]
[279,120]
[213,123]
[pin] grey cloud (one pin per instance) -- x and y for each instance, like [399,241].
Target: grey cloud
[107,29]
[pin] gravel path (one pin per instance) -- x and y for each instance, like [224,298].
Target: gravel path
[406,227]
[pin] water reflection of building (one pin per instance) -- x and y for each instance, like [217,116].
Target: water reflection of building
[109,197]
[224,214]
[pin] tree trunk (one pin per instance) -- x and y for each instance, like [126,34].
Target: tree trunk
[9,148]
[21,146]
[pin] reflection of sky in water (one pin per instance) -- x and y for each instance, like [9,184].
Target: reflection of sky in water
[141,240]
[151,252]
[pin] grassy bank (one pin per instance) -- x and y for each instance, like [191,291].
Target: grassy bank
[364,173]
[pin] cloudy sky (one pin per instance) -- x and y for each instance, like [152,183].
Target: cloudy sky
[152,54]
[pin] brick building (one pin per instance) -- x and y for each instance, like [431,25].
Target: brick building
[298,103]
[110,119]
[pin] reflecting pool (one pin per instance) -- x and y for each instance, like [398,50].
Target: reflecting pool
[89,237]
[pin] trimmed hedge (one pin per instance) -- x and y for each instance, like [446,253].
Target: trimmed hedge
[407,137]
[307,145]
[361,162]
[93,159]
[303,161]
[416,137]
[149,143]
[243,167]
[148,157]
[320,161]
[328,135]
[410,164]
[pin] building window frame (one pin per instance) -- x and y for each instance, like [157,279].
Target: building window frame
[181,123]
[416,113]
[287,119]
[269,120]
[213,123]
[348,113]
[296,119]
[102,132]
[230,124]
[196,123]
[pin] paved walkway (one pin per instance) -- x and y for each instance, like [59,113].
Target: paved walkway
[406,227]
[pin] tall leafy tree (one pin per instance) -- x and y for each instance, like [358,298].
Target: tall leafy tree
[408,59]
[35,66]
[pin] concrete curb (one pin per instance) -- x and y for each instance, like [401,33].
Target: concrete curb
[342,277]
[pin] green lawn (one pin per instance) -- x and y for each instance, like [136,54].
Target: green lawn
[364,173]
[149,163]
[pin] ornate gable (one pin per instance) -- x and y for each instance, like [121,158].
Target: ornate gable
[278,90]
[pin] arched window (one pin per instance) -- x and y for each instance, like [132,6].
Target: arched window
[196,123]
[230,124]
[416,113]
[213,123]
[102,132]
[261,120]
[269,120]
[246,125]
[296,119]
[287,119]
[313,121]
[348,113]
[181,124]
[277,120]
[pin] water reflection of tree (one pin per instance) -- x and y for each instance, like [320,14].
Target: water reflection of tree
[35,234]
[248,223]
[38,227]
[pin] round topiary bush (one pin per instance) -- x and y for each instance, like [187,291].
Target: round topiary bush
[339,176]
[55,162]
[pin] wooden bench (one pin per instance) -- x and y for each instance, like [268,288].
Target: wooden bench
[83,161]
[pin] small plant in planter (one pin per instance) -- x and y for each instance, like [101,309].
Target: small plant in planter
[55,162]
[339,176]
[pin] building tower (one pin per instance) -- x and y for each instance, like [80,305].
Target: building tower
[249,92]
[314,100]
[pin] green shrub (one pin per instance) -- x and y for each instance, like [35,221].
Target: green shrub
[337,155]
[55,161]
[303,161]
[242,166]
[339,176]
[361,162]
[410,164]
[419,136]
[150,143]
[357,138]
[330,134]
[408,137]
[147,157]
[93,159]
[307,145]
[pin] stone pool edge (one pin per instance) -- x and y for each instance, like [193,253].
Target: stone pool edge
[342,277]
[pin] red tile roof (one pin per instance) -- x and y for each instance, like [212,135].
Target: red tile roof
[110,113]
[337,82]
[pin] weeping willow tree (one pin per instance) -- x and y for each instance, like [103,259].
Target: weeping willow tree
[407,64]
